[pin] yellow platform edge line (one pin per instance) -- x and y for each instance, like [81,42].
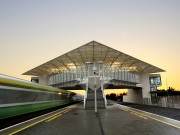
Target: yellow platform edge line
[53,118]
[138,115]
[152,118]
[36,122]
[60,113]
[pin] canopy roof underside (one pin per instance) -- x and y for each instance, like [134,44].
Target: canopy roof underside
[92,52]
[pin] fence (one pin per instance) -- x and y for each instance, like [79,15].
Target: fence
[166,101]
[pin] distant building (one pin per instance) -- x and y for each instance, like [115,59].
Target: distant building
[95,66]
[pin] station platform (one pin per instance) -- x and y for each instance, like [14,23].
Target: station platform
[115,120]
[173,113]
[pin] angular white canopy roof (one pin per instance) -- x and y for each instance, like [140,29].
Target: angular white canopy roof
[92,52]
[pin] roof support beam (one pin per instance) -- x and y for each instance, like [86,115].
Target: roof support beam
[81,56]
[55,66]
[148,68]
[61,61]
[155,70]
[39,70]
[101,54]
[115,59]
[127,58]
[135,62]
[49,69]
[86,53]
[71,60]
[106,54]
[93,51]
[142,67]
[45,67]
[36,73]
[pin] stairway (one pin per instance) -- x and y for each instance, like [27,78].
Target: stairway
[90,101]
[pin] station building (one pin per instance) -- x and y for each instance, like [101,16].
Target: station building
[95,67]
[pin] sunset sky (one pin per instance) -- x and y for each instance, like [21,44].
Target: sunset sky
[35,31]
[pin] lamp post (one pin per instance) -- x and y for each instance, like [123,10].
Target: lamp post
[87,68]
[95,97]
[167,94]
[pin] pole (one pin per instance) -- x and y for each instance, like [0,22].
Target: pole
[167,94]
[95,97]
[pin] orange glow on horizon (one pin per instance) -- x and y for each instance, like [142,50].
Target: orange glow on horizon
[107,91]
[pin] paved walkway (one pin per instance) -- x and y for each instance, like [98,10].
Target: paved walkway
[115,120]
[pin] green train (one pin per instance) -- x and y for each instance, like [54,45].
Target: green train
[19,97]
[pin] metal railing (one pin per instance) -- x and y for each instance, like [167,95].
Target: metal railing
[166,101]
[81,73]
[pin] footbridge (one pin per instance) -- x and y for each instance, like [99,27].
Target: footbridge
[95,67]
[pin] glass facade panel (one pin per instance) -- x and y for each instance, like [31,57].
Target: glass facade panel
[81,73]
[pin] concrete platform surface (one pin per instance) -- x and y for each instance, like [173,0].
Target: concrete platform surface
[115,120]
[173,113]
